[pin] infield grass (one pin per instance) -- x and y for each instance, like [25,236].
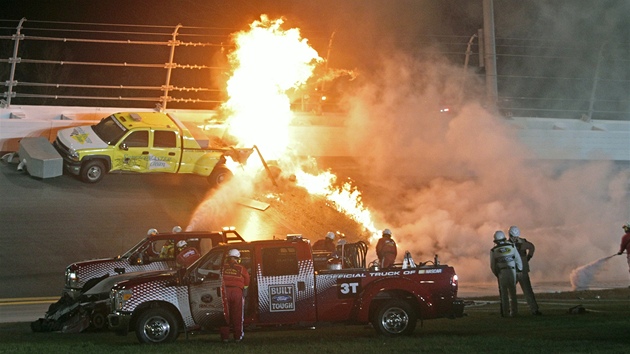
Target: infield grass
[604,328]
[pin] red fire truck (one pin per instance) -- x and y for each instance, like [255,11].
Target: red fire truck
[290,285]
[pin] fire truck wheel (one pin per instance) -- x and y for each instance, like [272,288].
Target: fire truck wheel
[156,325]
[394,317]
[219,175]
[92,171]
[98,319]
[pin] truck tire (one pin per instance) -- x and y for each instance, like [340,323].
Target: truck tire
[219,175]
[157,325]
[98,319]
[394,317]
[92,171]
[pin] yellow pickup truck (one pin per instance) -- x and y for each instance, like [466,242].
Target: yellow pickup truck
[145,142]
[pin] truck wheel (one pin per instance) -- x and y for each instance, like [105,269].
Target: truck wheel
[394,317]
[219,175]
[156,325]
[92,171]
[98,320]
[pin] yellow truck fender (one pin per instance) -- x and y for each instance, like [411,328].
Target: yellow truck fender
[207,162]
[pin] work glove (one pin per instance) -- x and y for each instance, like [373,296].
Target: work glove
[528,258]
[619,253]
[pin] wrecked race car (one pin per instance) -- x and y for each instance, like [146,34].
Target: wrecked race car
[88,282]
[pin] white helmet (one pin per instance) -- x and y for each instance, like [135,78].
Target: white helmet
[499,236]
[626,227]
[177,229]
[330,235]
[181,244]
[234,253]
[387,232]
[152,232]
[514,231]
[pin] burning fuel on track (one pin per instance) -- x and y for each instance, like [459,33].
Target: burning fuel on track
[442,183]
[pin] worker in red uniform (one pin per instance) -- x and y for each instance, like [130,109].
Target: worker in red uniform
[386,249]
[235,281]
[625,243]
[327,243]
[186,255]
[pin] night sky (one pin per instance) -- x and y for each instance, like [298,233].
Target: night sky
[366,31]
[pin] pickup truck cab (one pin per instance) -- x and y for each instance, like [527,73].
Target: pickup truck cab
[288,288]
[145,142]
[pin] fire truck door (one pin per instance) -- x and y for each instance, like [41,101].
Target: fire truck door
[285,289]
[206,292]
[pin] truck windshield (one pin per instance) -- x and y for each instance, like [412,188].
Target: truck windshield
[134,249]
[109,130]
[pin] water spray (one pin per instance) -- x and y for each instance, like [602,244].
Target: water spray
[582,277]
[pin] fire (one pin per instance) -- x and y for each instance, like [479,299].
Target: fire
[267,62]
[346,199]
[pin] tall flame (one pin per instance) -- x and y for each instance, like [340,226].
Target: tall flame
[267,62]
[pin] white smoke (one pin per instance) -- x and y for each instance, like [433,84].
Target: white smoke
[582,277]
[444,184]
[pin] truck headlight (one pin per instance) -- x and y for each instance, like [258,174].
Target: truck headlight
[72,279]
[119,298]
[74,155]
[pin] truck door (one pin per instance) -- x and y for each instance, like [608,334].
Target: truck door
[206,291]
[165,153]
[132,152]
[285,285]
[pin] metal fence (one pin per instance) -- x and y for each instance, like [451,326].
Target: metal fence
[103,63]
[97,64]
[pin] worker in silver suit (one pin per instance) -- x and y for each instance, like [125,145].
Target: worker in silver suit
[505,262]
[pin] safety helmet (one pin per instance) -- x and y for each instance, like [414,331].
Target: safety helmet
[514,232]
[234,253]
[387,232]
[626,227]
[177,229]
[499,236]
[152,232]
[181,244]
[330,235]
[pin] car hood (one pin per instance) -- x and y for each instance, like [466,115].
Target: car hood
[81,137]
[105,285]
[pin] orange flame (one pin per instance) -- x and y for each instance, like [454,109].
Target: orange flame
[268,61]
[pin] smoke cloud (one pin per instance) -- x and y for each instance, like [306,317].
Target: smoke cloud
[445,183]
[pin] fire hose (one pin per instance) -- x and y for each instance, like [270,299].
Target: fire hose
[354,254]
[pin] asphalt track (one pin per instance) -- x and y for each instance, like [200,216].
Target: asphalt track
[46,224]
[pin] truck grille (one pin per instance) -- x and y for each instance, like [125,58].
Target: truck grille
[61,148]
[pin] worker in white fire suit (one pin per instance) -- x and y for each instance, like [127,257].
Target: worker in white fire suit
[505,262]
[625,243]
[526,251]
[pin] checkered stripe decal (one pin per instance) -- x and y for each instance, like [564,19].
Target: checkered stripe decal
[94,269]
[305,273]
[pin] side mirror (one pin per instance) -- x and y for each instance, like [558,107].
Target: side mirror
[123,146]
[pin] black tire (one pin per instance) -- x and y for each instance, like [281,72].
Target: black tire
[98,320]
[92,171]
[394,318]
[219,175]
[157,326]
